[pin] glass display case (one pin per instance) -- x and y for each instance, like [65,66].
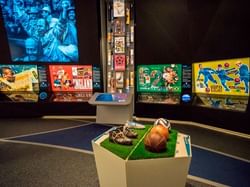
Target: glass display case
[120,46]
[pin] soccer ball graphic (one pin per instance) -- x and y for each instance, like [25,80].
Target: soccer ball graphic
[164,122]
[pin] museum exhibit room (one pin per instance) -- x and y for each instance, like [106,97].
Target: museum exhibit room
[124,93]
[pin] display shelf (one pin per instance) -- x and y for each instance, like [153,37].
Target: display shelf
[120,46]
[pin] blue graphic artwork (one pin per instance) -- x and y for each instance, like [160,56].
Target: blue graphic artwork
[223,76]
[41,30]
[244,74]
[207,73]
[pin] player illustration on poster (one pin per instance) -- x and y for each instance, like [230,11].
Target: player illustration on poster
[170,76]
[207,74]
[41,31]
[223,77]
[244,75]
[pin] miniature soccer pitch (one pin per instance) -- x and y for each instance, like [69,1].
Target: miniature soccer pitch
[138,150]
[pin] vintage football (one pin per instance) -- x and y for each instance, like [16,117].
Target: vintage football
[164,122]
[161,130]
[155,142]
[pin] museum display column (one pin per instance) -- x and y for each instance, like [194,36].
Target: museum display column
[120,46]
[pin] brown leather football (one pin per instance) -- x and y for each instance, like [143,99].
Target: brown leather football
[155,142]
[161,130]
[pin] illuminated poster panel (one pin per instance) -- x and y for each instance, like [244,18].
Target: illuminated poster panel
[159,78]
[19,83]
[71,78]
[41,31]
[224,77]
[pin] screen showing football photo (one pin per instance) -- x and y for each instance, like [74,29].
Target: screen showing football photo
[41,31]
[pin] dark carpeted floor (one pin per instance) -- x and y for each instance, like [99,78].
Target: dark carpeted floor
[32,165]
[36,166]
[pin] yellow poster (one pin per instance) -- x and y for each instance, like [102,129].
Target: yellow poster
[224,77]
[22,81]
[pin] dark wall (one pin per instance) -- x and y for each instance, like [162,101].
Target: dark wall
[180,31]
[162,32]
[88,24]
[219,29]
[188,31]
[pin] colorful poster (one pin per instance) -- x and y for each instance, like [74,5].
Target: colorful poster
[71,77]
[119,44]
[19,83]
[18,78]
[224,77]
[119,26]
[120,62]
[119,8]
[159,78]
[119,76]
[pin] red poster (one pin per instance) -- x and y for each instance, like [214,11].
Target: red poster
[71,77]
[120,62]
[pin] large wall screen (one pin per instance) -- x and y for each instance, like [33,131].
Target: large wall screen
[41,31]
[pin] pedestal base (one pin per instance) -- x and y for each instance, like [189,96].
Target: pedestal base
[161,172]
[117,111]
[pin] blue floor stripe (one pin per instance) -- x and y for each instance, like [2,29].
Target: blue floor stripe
[79,137]
[219,168]
[204,164]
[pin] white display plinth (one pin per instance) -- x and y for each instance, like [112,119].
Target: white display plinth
[161,172]
[117,111]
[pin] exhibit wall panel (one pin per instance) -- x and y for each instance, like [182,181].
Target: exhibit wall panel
[186,32]
[88,40]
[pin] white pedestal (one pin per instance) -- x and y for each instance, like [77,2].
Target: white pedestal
[161,172]
[113,112]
